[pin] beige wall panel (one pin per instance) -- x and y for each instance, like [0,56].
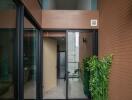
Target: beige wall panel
[50,64]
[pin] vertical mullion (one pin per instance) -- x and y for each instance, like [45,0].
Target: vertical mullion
[39,78]
[66,64]
[20,70]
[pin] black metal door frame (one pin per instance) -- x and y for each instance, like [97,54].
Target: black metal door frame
[94,50]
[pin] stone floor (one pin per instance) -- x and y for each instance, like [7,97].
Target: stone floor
[57,93]
[75,90]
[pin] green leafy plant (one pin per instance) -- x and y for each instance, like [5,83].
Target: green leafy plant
[99,76]
[86,77]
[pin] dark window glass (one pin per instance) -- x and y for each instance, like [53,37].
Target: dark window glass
[30,60]
[7,48]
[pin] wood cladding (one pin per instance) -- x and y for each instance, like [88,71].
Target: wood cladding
[68,19]
[8,20]
[85,47]
[115,36]
[34,8]
[54,34]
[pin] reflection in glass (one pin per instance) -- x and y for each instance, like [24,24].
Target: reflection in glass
[7,48]
[30,64]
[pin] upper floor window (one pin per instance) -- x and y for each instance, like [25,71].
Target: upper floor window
[69,4]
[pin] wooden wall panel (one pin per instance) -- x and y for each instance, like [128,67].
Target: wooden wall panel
[34,8]
[115,36]
[85,48]
[54,34]
[50,64]
[68,19]
[8,20]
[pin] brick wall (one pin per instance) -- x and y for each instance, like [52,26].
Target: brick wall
[115,36]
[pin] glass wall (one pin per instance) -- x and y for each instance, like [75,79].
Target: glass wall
[30,59]
[7,48]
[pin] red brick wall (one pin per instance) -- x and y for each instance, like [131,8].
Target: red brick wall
[115,36]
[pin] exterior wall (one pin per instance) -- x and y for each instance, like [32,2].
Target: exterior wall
[85,48]
[50,64]
[115,36]
[34,8]
[65,19]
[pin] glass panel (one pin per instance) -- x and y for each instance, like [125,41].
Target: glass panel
[54,68]
[30,61]
[93,4]
[75,84]
[7,48]
[69,4]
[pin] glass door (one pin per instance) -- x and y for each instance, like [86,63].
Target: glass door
[75,83]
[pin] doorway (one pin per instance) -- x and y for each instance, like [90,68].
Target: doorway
[69,55]
[54,57]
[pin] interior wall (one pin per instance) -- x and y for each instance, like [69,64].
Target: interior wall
[115,37]
[50,64]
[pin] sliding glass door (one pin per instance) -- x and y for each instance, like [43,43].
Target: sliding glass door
[20,59]
[30,50]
